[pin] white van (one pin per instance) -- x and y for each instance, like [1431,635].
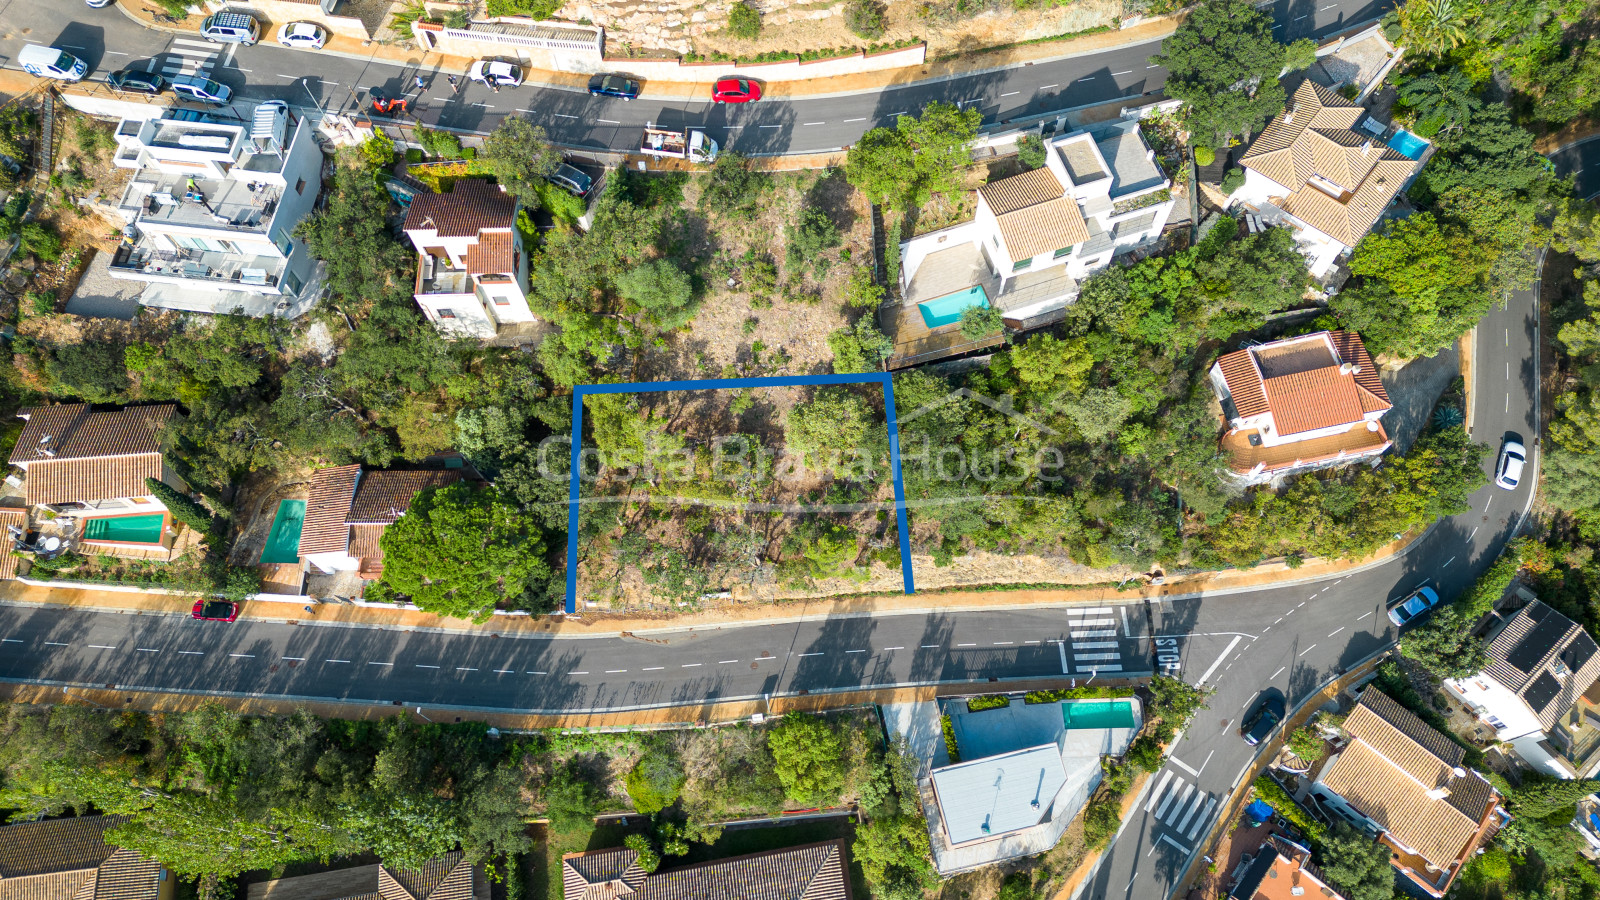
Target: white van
[48,62]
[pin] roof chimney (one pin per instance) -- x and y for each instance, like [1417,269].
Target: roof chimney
[1355,370]
[1439,793]
[1346,369]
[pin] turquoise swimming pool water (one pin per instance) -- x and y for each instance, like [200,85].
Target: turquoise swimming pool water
[283,541]
[1407,144]
[128,529]
[947,310]
[1097,714]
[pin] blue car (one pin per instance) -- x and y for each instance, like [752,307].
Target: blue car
[1415,605]
[614,86]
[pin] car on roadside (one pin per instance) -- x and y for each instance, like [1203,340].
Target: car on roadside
[215,610]
[99,4]
[136,81]
[1508,470]
[1420,601]
[231,28]
[735,90]
[573,180]
[495,73]
[48,62]
[201,90]
[302,35]
[620,86]
[1257,726]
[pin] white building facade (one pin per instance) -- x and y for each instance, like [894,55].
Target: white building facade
[472,275]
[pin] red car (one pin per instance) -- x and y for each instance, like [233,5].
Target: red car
[216,610]
[735,90]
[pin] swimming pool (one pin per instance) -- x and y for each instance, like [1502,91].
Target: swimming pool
[1097,714]
[283,541]
[1407,144]
[125,529]
[947,310]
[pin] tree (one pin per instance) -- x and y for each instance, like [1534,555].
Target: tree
[879,164]
[1425,287]
[93,370]
[664,291]
[1540,795]
[1223,63]
[460,550]
[863,290]
[979,322]
[1356,864]
[1445,644]
[520,154]
[1300,55]
[859,348]
[655,781]
[438,143]
[744,21]
[866,19]
[1030,151]
[180,505]
[1433,27]
[1442,101]
[810,237]
[377,152]
[919,156]
[835,432]
[1098,412]
[732,187]
[648,859]
[809,758]
[365,263]
[404,831]
[894,856]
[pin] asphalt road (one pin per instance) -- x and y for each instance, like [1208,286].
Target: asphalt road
[310,81]
[1582,162]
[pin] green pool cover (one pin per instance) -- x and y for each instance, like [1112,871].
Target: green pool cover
[283,542]
[1097,714]
[127,529]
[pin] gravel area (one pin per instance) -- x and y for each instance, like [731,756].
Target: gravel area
[1414,390]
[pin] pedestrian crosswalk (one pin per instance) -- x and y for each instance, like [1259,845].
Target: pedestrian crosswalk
[1092,633]
[190,57]
[1181,805]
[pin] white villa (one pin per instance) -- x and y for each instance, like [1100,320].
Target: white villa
[472,275]
[212,210]
[1100,193]
[1328,170]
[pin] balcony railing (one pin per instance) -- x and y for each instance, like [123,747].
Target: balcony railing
[191,265]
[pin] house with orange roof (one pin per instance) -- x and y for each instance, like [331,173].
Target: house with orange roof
[1281,870]
[1329,170]
[69,859]
[349,508]
[472,275]
[1301,403]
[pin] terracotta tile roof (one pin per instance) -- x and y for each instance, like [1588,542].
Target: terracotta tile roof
[1392,763]
[1021,191]
[8,517]
[1315,137]
[76,885]
[446,877]
[364,543]
[337,884]
[471,206]
[1353,443]
[89,479]
[1546,659]
[493,254]
[1299,382]
[77,432]
[1053,225]
[383,495]
[327,508]
[1281,866]
[418,884]
[128,876]
[812,872]
[68,859]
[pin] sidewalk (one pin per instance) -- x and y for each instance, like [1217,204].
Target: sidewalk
[661,627]
[865,82]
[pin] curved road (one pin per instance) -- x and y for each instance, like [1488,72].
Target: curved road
[1582,161]
[108,40]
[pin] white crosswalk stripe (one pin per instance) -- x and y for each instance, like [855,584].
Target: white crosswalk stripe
[1184,808]
[189,57]
[1188,788]
[1200,822]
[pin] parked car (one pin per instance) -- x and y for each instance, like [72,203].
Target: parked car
[48,62]
[216,610]
[1508,471]
[1259,724]
[494,73]
[231,28]
[202,90]
[735,90]
[303,35]
[98,4]
[614,86]
[1415,605]
[574,180]
[136,81]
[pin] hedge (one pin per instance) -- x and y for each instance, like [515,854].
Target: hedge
[979,704]
[950,739]
[180,505]
[1272,792]
[1106,692]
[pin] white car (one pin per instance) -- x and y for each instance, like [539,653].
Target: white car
[495,73]
[302,35]
[1508,471]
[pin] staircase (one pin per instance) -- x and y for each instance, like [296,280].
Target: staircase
[45,152]
[879,244]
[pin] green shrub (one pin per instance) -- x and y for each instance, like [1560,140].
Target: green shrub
[182,508]
[438,144]
[978,704]
[562,206]
[1030,151]
[979,322]
[1232,180]
[744,21]
[377,151]
[1204,156]
[1101,819]
[413,155]
[648,859]
[950,739]
[1145,753]
[1098,692]
[866,19]
[1306,742]
[891,253]
[1276,797]
[655,782]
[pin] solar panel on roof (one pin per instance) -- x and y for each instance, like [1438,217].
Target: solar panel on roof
[1538,641]
[1542,691]
[1578,652]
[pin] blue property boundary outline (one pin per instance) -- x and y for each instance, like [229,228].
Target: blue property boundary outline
[719,384]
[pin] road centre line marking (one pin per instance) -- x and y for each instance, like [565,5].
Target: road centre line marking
[691,665]
[1153,67]
[811,654]
[585,672]
[421,666]
[889,116]
[887,649]
[505,671]
[1266,629]
[370,663]
[466,669]
[1010,93]
[1003,643]
[1030,642]
[563,116]
[238,655]
[1363,615]
[1087,78]
[525,109]
[102,647]
[1224,655]
[608,671]
[862,119]
[531,672]
[1183,765]
[115,53]
[958,645]
[294,658]
[484,105]
[1115,74]
[723,662]
[1246,704]
[146,650]
[1306,16]
[1277,673]
[1447,563]
[11,641]
[1474,531]
[191,653]
[1286,615]
[805,124]
[847,651]
[1280,619]
[1328,7]
[930,646]
[608,121]
[769,126]
[654,668]
[1046,87]
[1305,651]
[58,644]
[1336,631]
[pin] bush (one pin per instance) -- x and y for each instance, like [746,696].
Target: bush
[891,255]
[978,704]
[1104,692]
[1145,753]
[1030,151]
[950,739]
[1232,180]
[1101,819]
[862,291]
[649,859]
[1204,156]
[180,505]
[438,144]
[1276,797]
[413,155]
[744,22]
[655,782]
[866,19]
[979,322]
[1306,743]
[377,151]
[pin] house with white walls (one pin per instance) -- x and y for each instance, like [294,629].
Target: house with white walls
[349,507]
[1327,169]
[472,276]
[1302,403]
[1540,691]
[1100,193]
[211,211]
